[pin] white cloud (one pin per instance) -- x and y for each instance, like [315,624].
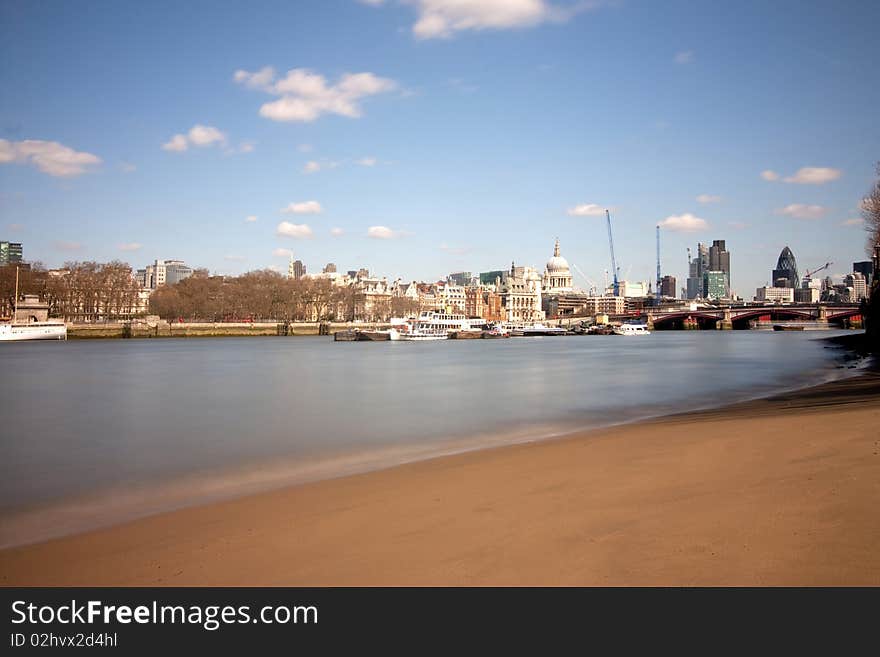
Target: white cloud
[257,80]
[587,210]
[306,207]
[130,246]
[684,57]
[856,221]
[15,227]
[250,218]
[296,231]
[383,233]
[801,211]
[367,161]
[282,253]
[127,167]
[739,225]
[814,176]
[769,175]
[199,135]
[68,246]
[234,258]
[48,156]
[372,3]
[337,232]
[312,167]
[684,223]
[708,198]
[176,143]
[246,147]
[305,96]
[443,18]
[304,148]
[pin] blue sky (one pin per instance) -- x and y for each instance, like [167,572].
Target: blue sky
[471,136]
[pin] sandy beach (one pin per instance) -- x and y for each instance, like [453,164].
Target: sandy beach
[779,491]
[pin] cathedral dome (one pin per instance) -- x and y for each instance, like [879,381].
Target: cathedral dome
[557,264]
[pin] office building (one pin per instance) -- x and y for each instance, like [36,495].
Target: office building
[866,269]
[668,287]
[10,253]
[786,273]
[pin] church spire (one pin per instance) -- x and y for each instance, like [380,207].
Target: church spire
[556,249]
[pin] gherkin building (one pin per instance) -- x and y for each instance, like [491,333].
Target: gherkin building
[786,273]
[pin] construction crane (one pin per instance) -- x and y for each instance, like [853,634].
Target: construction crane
[613,259]
[591,283]
[659,281]
[809,275]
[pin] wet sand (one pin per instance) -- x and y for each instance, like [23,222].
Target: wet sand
[779,491]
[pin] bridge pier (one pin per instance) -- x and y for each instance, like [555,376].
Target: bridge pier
[650,321]
[726,322]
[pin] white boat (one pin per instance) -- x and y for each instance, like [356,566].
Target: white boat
[433,325]
[14,330]
[632,329]
[10,331]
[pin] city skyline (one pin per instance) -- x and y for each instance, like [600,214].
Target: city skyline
[451,145]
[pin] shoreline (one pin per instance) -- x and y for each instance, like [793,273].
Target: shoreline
[234,541]
[79,513]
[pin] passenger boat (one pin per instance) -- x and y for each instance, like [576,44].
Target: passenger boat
[632,329]
[434,325]
[14,330]
[345,336]
[787,327]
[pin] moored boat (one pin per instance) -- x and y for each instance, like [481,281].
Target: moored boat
[632,329]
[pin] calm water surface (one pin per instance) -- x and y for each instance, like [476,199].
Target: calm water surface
[98,431]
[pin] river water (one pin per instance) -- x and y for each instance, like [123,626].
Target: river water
[95,432]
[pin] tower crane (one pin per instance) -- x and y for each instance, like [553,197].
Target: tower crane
[613,259]
[809,275]
[659,281]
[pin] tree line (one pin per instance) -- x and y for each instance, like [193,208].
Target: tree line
[79,292]
[265,295]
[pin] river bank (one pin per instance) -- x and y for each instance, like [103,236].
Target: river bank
[164,329]
[774,491]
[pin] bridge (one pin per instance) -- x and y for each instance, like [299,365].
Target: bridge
[740,316]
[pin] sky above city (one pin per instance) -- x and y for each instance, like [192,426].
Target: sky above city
[422,137]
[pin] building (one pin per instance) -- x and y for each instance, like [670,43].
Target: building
[786,272]
[579,304]
[483,303]
[668,287]
[557,275]
[296,269]
[629,289]
[716,285]
[462,278]
[329,268]
[719,260]
[10,253]
[163,272]
[521,294]
[808,294]
[449,297]
[775,294]
[866,268]
[489,278]
[696,269]
[856,282]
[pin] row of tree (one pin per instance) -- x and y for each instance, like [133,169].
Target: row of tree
[265,295]
[79,292]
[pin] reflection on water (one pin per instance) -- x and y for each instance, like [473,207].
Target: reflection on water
[211,417]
